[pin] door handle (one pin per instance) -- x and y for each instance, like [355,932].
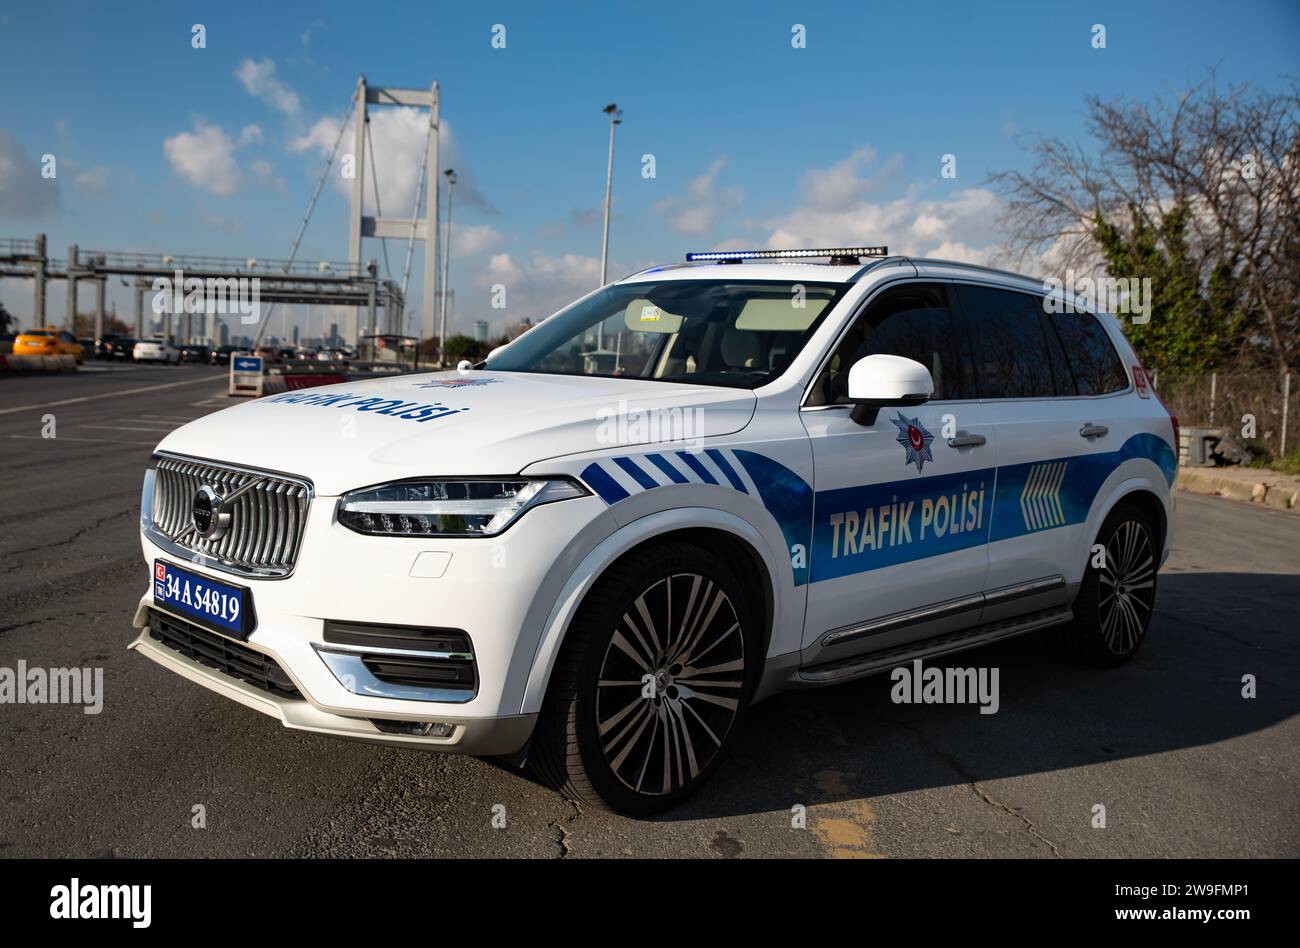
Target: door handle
[967,441]
[1093,431]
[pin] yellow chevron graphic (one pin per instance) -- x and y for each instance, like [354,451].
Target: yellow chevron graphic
[1040,500]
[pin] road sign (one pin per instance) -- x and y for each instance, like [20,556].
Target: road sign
[246,375]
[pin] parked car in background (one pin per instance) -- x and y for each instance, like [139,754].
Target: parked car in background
[195,353]
[221,355]
[156,349]
[103,344]
[48,341]
[116,347]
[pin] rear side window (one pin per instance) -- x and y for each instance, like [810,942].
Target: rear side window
[912,321]
[1093,361]
[1013,358]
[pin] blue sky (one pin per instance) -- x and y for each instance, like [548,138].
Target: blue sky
[166,148]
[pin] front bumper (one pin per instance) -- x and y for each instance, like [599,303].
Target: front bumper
[500,591]
[478,736]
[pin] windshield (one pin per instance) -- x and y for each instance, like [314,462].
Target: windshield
[704,332]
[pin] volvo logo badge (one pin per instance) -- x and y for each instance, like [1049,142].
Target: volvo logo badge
[209,513]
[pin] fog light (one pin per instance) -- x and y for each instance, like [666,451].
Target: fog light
[415,728]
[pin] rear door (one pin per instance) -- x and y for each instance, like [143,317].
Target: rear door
[901,513]
[1044,384]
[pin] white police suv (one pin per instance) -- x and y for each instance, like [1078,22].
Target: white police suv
[689,490]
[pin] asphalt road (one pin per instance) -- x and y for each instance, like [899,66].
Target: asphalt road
[1182,763]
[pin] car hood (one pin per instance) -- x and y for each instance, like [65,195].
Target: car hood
[450,423]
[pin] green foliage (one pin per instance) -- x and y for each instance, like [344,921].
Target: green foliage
[465,347]
[1194,321]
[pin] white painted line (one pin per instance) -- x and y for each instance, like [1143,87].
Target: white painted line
[124,428]
[147,444]
[91,398]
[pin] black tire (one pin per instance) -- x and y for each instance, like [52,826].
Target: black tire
[1113,608]
[619,694]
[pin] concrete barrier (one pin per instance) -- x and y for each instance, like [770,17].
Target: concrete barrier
[1249,485]
[37,363]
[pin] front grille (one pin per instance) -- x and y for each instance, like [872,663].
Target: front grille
[267,514]
[223,654]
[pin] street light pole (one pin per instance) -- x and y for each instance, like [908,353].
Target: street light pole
[615,118]
[446,268]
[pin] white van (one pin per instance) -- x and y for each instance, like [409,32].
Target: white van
[689,490]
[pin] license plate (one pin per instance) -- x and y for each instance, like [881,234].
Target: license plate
[210,602]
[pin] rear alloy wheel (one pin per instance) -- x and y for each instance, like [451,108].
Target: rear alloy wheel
[1116,599]
[657,671]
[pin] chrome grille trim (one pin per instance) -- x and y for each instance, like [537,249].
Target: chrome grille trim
[269,514]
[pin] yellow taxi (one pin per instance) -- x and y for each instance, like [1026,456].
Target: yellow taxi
[48,341]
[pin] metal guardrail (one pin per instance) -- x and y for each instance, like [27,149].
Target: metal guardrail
[253,266]
[17,247]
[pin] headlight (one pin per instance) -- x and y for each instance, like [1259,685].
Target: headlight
[464,508]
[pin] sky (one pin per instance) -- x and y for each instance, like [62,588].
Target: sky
[756,139]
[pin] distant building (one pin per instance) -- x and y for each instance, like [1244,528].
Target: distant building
[481,330]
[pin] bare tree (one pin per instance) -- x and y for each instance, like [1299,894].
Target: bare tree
[1213,174]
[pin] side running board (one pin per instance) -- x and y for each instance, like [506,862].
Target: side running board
[859,666]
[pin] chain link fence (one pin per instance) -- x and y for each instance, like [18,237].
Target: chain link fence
[1240,401]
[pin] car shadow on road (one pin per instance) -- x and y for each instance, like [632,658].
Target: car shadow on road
[1184,689]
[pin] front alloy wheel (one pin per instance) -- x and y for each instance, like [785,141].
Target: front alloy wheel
[653,678]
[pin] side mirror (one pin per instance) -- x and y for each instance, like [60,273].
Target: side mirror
[879,381]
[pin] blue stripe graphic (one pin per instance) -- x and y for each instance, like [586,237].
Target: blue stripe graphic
[638,475]
[661,462]
[720,460]
[697,467]
[610,491]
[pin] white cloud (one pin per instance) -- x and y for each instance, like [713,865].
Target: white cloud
[259,79]
[93,180]
[205,158]
[704,203]
[838,210]
[839,184]
[467,241]
[24,193]
[541,284]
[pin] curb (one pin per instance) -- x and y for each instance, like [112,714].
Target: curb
[1275,491]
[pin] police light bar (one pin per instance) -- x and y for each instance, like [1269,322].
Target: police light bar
[847,254]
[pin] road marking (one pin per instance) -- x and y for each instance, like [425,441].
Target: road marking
[91,398]
[124,428]
[147,444]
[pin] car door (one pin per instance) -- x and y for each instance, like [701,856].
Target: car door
[901,510]
[1048,437]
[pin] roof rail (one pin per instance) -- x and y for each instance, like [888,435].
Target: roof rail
[882,262]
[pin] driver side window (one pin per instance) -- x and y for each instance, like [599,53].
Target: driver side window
[913,321]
